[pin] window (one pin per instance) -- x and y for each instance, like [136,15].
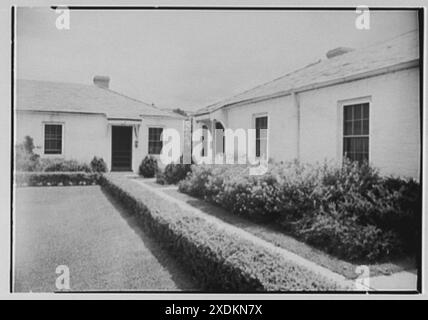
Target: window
[356,132]
[261,136]
[53,139]
[155,141]
[204,140]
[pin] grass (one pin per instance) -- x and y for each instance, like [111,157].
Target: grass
[273,234]
[82,228]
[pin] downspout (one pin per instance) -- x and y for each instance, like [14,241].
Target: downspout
[296,104]
[191,140]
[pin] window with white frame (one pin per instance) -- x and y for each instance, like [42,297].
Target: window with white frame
[155,141]
[356,132]
[261,124]
[53,139]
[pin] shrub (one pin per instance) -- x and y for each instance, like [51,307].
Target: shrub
[61,165]
[98,165]
[344,238]
[148,167]
[173,173]
[55,178]
[219,259]
[348,210]
[25,158]
[195,184]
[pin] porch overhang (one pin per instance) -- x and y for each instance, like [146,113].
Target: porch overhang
[123,121]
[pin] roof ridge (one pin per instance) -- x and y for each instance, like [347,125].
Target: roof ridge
[261,85]
[166,112]
[126,96]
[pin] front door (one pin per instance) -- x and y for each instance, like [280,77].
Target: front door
[121,148]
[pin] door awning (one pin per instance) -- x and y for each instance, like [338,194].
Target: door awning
[123,121]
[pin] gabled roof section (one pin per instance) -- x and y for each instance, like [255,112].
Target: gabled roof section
[401,50]
[37,95]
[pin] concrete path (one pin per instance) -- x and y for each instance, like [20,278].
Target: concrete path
[103,248]
[399,281]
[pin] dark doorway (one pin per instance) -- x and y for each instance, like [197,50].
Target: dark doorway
[219,138]
[121,148]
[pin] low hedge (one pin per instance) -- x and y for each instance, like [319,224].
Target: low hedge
[220,260]
[349,210]
[55,178]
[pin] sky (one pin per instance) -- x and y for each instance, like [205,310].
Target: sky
[188,59]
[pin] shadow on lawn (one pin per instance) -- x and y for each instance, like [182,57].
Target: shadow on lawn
[178,274]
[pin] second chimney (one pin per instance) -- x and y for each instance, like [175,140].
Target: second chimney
[102,81]
[338,52]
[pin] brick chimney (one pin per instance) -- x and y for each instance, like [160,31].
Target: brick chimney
[102,81]
[337,52]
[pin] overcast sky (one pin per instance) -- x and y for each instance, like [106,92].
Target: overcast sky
[188,59]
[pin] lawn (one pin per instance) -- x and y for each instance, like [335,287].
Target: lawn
[82,228]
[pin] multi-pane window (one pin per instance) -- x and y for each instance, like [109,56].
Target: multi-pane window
[53,139]
[356,132]
[155,141]
[261,136]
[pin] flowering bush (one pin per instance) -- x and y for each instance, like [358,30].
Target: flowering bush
[55,178]
[61,165]
[173,173]
[348,210]
[28,161]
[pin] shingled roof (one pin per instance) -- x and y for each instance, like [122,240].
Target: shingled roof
[37,95]
[402,51]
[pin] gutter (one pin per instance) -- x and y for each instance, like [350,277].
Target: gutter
[59,111]
[101,113]
[178,117]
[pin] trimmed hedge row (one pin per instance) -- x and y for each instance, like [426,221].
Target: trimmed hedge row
[349,210]
[55,178]
[220,260]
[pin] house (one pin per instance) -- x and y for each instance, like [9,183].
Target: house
[77,121]
[362,104]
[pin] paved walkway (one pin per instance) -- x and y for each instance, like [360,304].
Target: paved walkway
[399,281]
[81,228]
